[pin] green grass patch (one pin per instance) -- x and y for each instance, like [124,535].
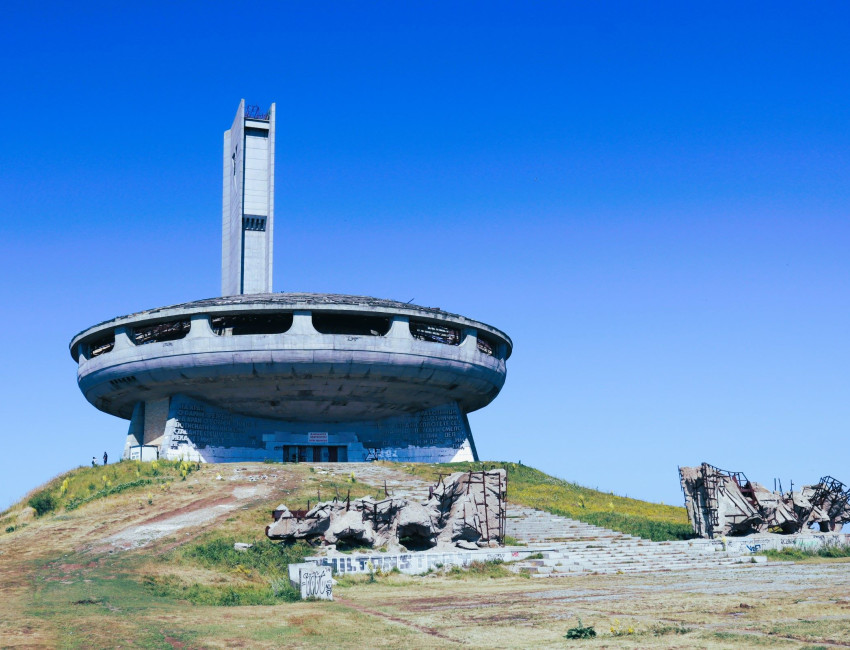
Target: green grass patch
[488,569]
[76,502]
[276,591]
[663,629]
[256,576]
[796,554]
[531,487]
[86,484]
[267,558]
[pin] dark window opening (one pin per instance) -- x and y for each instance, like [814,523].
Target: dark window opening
[346,324]
[487,345]
[434,332]
[240,325]
[103,344]
[254,222]
[169,331]
[123,381]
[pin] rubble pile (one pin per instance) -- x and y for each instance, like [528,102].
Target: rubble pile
[466,509]
[727,503]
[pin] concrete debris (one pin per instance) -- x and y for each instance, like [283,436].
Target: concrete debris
[465,509]
[721,503]
[242,546]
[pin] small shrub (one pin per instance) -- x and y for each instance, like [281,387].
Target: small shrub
[580,632]
[42,502]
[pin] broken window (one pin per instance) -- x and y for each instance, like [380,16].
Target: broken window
[243,324]
[103,344]
[351,324]
[168,331]
[425,331]
[486,345]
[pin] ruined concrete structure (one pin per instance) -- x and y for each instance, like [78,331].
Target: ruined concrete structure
[466,510]
[255,375]
[727,503]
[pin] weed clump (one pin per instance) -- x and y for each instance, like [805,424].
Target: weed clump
[581,631]
[664,630]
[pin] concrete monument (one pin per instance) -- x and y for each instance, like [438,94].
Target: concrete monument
[721,503]
[257,375]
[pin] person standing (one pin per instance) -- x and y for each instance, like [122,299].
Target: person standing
[104,458]
[93,461]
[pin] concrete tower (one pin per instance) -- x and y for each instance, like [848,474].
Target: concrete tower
[313,377]
[248,202]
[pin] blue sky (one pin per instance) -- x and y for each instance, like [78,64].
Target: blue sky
[651,199]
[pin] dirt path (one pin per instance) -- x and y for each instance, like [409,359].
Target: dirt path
[395,619]
[168,523]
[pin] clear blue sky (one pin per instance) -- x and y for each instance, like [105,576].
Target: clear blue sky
[650,198]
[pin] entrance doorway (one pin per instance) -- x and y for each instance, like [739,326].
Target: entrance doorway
[315,454]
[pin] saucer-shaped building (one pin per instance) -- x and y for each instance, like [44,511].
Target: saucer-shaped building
[305,377]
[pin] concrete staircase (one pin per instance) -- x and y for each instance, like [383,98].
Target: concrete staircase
[567,546]
[570,547]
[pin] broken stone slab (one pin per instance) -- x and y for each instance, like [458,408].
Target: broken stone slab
[242,546]
[467,546]
[464,506]
[351,529]
[721,503]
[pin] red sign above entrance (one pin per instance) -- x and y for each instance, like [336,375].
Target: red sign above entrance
[317,436]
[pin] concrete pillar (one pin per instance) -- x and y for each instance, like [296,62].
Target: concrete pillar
[200,327]
[156,417]
[302,324]
[399,328]
[469,340]
[122,339]
[135,432]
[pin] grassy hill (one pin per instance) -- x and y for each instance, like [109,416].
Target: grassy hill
[531,487]
[141,554]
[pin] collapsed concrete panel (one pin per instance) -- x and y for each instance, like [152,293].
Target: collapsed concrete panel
[466,509]
[721,502]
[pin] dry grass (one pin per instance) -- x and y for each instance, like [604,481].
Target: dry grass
[61,587]
[530,487]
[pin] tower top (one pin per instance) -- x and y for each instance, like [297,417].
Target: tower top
[248,202]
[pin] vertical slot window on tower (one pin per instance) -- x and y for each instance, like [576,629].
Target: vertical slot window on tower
[254,222]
